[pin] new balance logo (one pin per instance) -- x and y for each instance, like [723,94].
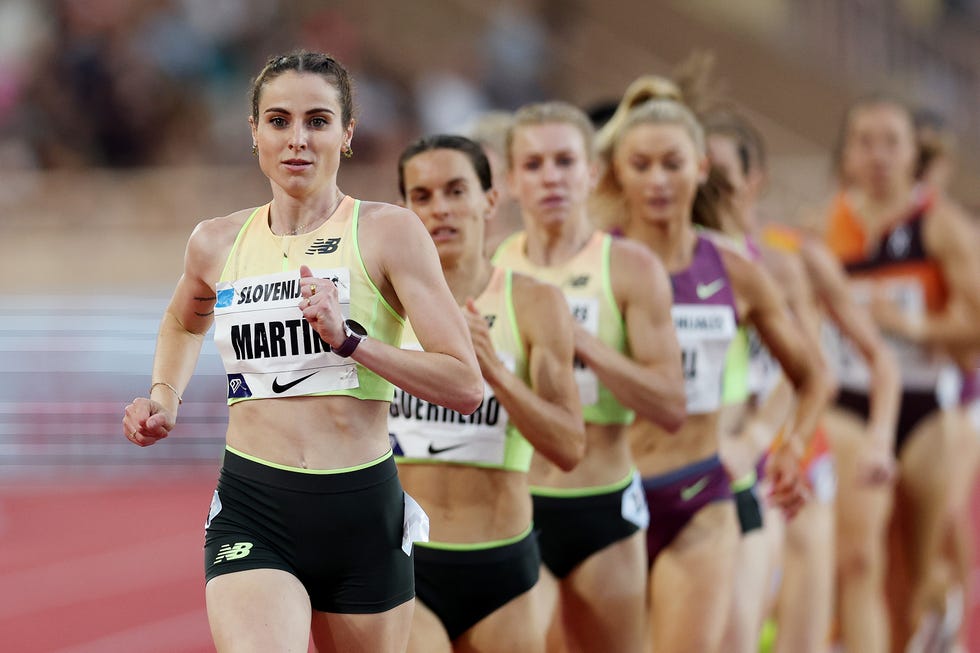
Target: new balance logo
[324,246]
[578,282]
[233,552]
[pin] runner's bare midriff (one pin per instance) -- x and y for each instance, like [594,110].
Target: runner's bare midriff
[607,460]
[656,451]
[469,504]
[310,432]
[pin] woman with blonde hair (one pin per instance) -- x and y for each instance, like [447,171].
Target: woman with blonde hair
[908,251]
[590,519]
[656,169]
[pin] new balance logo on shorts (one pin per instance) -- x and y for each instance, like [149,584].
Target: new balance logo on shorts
[233,551]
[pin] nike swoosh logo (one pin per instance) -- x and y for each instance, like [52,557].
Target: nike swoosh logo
[286,386]
[706,290]
[433,450]
[692,491]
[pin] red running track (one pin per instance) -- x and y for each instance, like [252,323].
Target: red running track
[101,567]
[116,567]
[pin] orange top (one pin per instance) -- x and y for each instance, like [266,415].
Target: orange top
[818,445]
[781,238]
[898,254]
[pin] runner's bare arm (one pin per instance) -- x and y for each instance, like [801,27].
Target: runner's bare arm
[952,239]
[650,380]
[446,372]
[548,413]
[185,322]
[762,306]
[830,282]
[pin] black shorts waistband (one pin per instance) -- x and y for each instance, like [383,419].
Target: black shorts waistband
[491,554]
[696,468]
[331,481]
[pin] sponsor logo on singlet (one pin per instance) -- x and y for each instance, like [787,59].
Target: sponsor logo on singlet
[225,297]
[434,450]
[708,290]
[323,246]
[237,387]
[280,388]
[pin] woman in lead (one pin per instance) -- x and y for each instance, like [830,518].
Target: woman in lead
[309,529]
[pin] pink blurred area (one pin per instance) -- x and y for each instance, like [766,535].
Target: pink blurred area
[122,125]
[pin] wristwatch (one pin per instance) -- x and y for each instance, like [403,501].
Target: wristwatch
[355,334]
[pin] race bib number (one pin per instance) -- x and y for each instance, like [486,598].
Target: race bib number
[585,311]
[704,333]
[267,346]
[419,429]
[415,526]
[764,370]
[919,367]
[634,508]
[213,510]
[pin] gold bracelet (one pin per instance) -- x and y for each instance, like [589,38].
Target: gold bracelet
[173,389]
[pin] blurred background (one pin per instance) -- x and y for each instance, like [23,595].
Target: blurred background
[123,124]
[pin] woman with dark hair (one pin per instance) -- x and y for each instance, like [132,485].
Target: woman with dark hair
[309,529]
[475,577]
[909,253]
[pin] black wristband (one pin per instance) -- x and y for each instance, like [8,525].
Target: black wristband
[355,334]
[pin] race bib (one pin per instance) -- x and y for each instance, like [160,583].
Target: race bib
[419,429]
[585,311]
[764,370]
[704,333]
[415,524]
[267,346]
[919,367]
[213,510]
[634,507]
